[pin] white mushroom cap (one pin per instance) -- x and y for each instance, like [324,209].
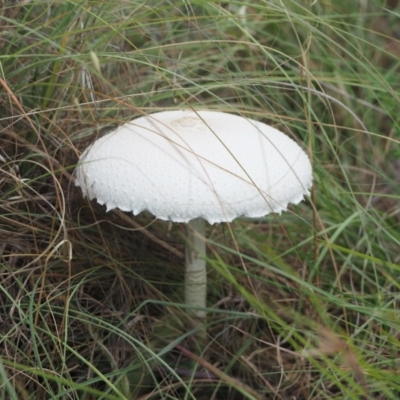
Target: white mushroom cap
[181,165]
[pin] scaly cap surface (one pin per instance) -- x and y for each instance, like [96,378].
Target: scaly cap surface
[181,165]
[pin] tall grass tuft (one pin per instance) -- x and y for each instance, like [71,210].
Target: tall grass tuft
[303,305]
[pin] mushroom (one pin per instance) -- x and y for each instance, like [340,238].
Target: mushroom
[195,166]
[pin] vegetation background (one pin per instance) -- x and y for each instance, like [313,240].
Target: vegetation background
[301,306]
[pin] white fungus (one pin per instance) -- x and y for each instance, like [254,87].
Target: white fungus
[192,166]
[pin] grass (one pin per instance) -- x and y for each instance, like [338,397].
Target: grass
[304,305]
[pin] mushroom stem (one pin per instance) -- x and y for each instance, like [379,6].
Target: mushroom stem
[196,272]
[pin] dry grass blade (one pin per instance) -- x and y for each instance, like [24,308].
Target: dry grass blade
[330,344]
[235,383]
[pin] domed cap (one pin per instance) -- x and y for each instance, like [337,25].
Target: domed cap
[181,165]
